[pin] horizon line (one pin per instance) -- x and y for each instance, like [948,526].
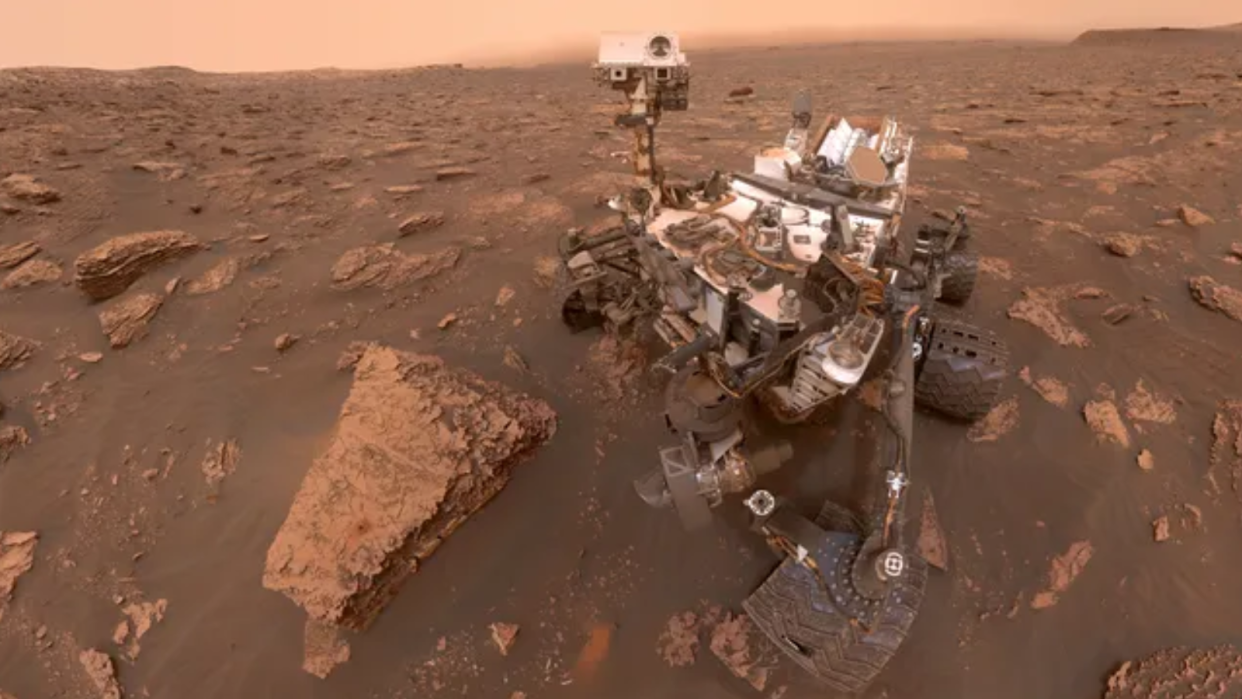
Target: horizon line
[693,42]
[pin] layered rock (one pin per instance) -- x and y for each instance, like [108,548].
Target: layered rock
[419,447]
[109,269]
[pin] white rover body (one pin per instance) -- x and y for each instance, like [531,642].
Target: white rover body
[789,237]
[753,243]
[779,283]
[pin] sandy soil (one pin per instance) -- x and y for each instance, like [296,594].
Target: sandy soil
[186,259]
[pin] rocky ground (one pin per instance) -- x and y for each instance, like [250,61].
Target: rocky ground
[194,267]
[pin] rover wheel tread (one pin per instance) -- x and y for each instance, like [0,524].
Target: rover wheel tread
[847,658]
[963,371]
[961,272]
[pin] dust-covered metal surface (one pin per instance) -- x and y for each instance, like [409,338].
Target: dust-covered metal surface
[786,285]
[779,284]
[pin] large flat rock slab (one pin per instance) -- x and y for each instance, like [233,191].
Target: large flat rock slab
[418,448]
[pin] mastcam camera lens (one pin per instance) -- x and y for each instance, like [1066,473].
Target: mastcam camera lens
[660,47]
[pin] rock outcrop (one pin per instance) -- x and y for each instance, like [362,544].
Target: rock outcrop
[419,447]
[126,320]
[386,267]
[1210,294]
[14,350]
[109,269]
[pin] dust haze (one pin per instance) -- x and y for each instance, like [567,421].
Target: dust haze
[259,35]
[280,355]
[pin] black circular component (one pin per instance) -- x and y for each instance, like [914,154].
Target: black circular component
[660,46]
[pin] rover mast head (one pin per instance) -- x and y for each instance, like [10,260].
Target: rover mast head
[646,62]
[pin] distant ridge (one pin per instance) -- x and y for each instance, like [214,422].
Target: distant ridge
[1225,35]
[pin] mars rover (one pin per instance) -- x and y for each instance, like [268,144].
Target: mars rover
[788,285]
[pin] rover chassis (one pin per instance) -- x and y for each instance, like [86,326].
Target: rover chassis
[789,286]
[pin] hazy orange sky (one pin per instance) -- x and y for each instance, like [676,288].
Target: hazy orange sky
[232,35]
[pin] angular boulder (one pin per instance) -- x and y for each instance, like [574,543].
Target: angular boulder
[1124,244]
[101,670]
[1210,294]
[421,221]
[17,253]
[109,269]
[388,268]
[126,320]
[32,273]
[222,274]
[418,448]
[16,559]
[1193,217]
[14,349]
[27,188]
[12,438]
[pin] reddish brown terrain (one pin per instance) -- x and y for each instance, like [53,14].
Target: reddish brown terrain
[220,293]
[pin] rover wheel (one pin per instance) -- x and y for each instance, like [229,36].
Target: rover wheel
[963,369]
[577,317]
[961,269]
[793,610]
